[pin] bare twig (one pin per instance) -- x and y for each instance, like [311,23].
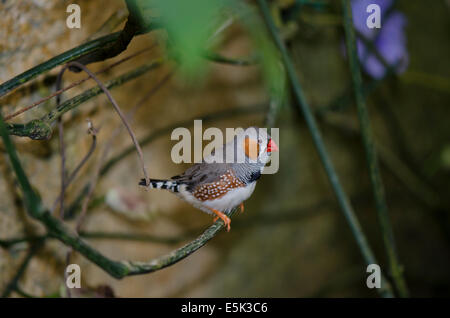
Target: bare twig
[62,58]
[93,182]
[62,149]
[62,152]
[119,112]
[93,132]
[12,285]
[61,90]
[129,116]
[87,199]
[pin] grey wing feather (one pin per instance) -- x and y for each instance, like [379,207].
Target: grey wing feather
[201,173]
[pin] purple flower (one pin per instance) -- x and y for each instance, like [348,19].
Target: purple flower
[390,39]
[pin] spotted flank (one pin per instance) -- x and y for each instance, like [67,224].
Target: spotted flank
[215,190]
[162,184]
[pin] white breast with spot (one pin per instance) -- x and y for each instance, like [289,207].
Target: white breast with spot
[223,204]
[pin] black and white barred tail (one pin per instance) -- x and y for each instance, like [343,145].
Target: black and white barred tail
[162,184]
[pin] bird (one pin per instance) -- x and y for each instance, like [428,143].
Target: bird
[225,178]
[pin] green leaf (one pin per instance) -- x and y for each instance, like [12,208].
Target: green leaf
[189,25]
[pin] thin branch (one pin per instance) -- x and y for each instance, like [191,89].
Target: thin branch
[88,189]
[138,268]
[119,112]
[12,285]
[65,57]
[7,243]
[93,132]
[96,50]
[87,199]
[39,129]
[342,198]
[60,91]
[62,148]
[62,152]
[372,160]
[92,183]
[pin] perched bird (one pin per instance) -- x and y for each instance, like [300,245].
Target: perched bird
[224,179]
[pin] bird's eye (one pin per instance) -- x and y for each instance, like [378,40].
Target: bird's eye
[259,141]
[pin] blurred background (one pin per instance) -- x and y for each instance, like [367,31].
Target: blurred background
[292,240]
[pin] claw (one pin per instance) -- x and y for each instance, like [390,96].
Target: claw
[226,220]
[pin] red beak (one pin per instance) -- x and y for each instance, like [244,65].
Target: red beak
[271,146]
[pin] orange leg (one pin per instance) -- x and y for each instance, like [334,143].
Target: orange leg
[226,220]
[242,207]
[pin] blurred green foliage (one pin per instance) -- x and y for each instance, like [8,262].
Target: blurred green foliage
[191,25]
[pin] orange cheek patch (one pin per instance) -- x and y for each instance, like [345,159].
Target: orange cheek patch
[251,148]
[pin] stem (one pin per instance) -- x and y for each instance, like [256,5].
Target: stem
[62,148]
[96,50]
[60,91]
[93,132]
[40,128]
[121,115]
[137,268]
[65,57]
[13,283]
[372,160]
[342,198]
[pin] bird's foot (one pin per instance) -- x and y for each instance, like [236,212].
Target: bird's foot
[226,220]
[242,207]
